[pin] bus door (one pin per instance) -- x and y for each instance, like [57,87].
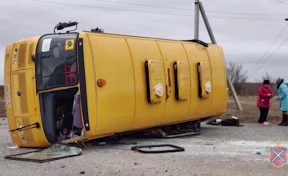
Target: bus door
[59,72]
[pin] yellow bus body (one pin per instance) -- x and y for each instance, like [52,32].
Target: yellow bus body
[121,105]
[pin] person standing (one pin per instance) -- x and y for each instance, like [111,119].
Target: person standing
[283,99]
[265,93]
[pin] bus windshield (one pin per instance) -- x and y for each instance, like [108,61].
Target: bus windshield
[56,61]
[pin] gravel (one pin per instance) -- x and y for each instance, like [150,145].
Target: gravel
[217,151]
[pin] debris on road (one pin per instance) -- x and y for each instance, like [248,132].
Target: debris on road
[82,172]
[111,141]
[233,121]
[54,152]
[165,146]
[208,144]
[13,147]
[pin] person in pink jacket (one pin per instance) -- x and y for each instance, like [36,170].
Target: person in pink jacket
[265,93]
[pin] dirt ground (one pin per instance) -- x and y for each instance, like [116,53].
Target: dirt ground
[250,113]
[217,151]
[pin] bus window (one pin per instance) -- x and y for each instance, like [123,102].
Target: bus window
[56,61]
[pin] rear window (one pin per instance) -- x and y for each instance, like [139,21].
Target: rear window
[56,61]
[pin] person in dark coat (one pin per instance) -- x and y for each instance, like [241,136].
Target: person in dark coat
[265,93]
[283,99]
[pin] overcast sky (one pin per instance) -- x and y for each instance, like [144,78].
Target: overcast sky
[244,28]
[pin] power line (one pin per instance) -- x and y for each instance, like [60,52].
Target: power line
[282,31]
[270,56]
[282,2]
[186,9]
[246,13]
[149,12]
[106,8]
[242,18]
[145,5]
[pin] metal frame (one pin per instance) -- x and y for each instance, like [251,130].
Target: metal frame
[199,7]
[174,148]
[16,158]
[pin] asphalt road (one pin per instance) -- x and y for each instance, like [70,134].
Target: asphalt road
[231,151]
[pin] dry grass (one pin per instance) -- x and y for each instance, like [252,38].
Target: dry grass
[250,113]
[1,91]
[2,107]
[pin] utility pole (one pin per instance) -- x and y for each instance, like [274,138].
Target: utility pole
[196,21]
[199,7]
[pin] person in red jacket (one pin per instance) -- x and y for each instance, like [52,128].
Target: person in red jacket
[265,93]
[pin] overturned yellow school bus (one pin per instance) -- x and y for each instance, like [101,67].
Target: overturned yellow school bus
[125,83]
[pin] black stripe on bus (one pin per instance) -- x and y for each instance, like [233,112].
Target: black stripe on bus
[176,80]
[199,80]
[82,79]
[148,93]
